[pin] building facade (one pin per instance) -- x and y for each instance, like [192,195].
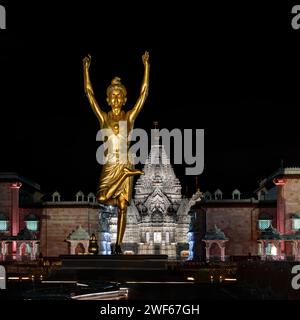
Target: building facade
[266,225]
[160,220]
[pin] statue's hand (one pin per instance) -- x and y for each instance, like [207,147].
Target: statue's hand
[145,57]
[87,61]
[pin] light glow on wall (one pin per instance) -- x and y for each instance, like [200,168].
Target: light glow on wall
[273,250]
[264,224]
[157,237]
[32,225]
[296,224]
[3,225]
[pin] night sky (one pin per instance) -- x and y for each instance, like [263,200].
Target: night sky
[233,71]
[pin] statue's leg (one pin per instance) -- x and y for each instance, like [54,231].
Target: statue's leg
[110,192]
[122,210]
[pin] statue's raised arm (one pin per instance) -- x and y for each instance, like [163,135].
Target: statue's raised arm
[133,113]
[88,89]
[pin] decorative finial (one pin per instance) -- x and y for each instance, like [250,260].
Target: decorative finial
[155,123]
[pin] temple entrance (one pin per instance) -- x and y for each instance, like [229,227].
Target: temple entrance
[25,249]
[215,252]
[79,248]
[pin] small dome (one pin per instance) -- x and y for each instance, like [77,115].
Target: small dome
[31,217]
[265,216]
[79,234]
[215,234]
[3,217]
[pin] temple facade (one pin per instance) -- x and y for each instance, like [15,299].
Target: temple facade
[158,219]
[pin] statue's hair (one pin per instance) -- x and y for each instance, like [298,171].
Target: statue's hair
[116,84]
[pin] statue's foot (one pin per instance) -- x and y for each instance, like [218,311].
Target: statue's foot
[132,172]
[118,249]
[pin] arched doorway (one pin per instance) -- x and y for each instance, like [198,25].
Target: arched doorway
[79,248]
[23,249]
[215,252]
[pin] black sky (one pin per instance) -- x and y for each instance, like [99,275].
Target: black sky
[232,70]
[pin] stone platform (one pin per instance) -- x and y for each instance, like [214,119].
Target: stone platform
[114,262]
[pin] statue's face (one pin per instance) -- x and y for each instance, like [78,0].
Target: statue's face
[116,100]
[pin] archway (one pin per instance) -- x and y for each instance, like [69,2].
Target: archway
[23,249]
[215,251]
[79,248]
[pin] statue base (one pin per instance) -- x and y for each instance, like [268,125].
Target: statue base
[114,262]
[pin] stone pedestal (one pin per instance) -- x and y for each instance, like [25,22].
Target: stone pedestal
[115,262]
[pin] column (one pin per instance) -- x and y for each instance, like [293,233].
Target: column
[86,245]
[4,250]
[297,248]
[277,245]
[222,247]
[72,246]
[105,232]
[263,250]
[280,182]
[32,250]
[14,215]
[207,248]
[18,253]
[34,247]
[294,249]
[15,219]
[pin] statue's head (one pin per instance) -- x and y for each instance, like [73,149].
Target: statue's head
[116,95]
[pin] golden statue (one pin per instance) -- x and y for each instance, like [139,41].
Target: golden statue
[116,178]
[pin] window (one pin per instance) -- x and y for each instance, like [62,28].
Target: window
[3,225]
[79,196]
[264,224]
[91,198]
[55,197]
[32,225]
[262,195]
[218,194]
[157,237]
[31,222]
[236,195]
[296,223]
[3,222]
[207,195]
